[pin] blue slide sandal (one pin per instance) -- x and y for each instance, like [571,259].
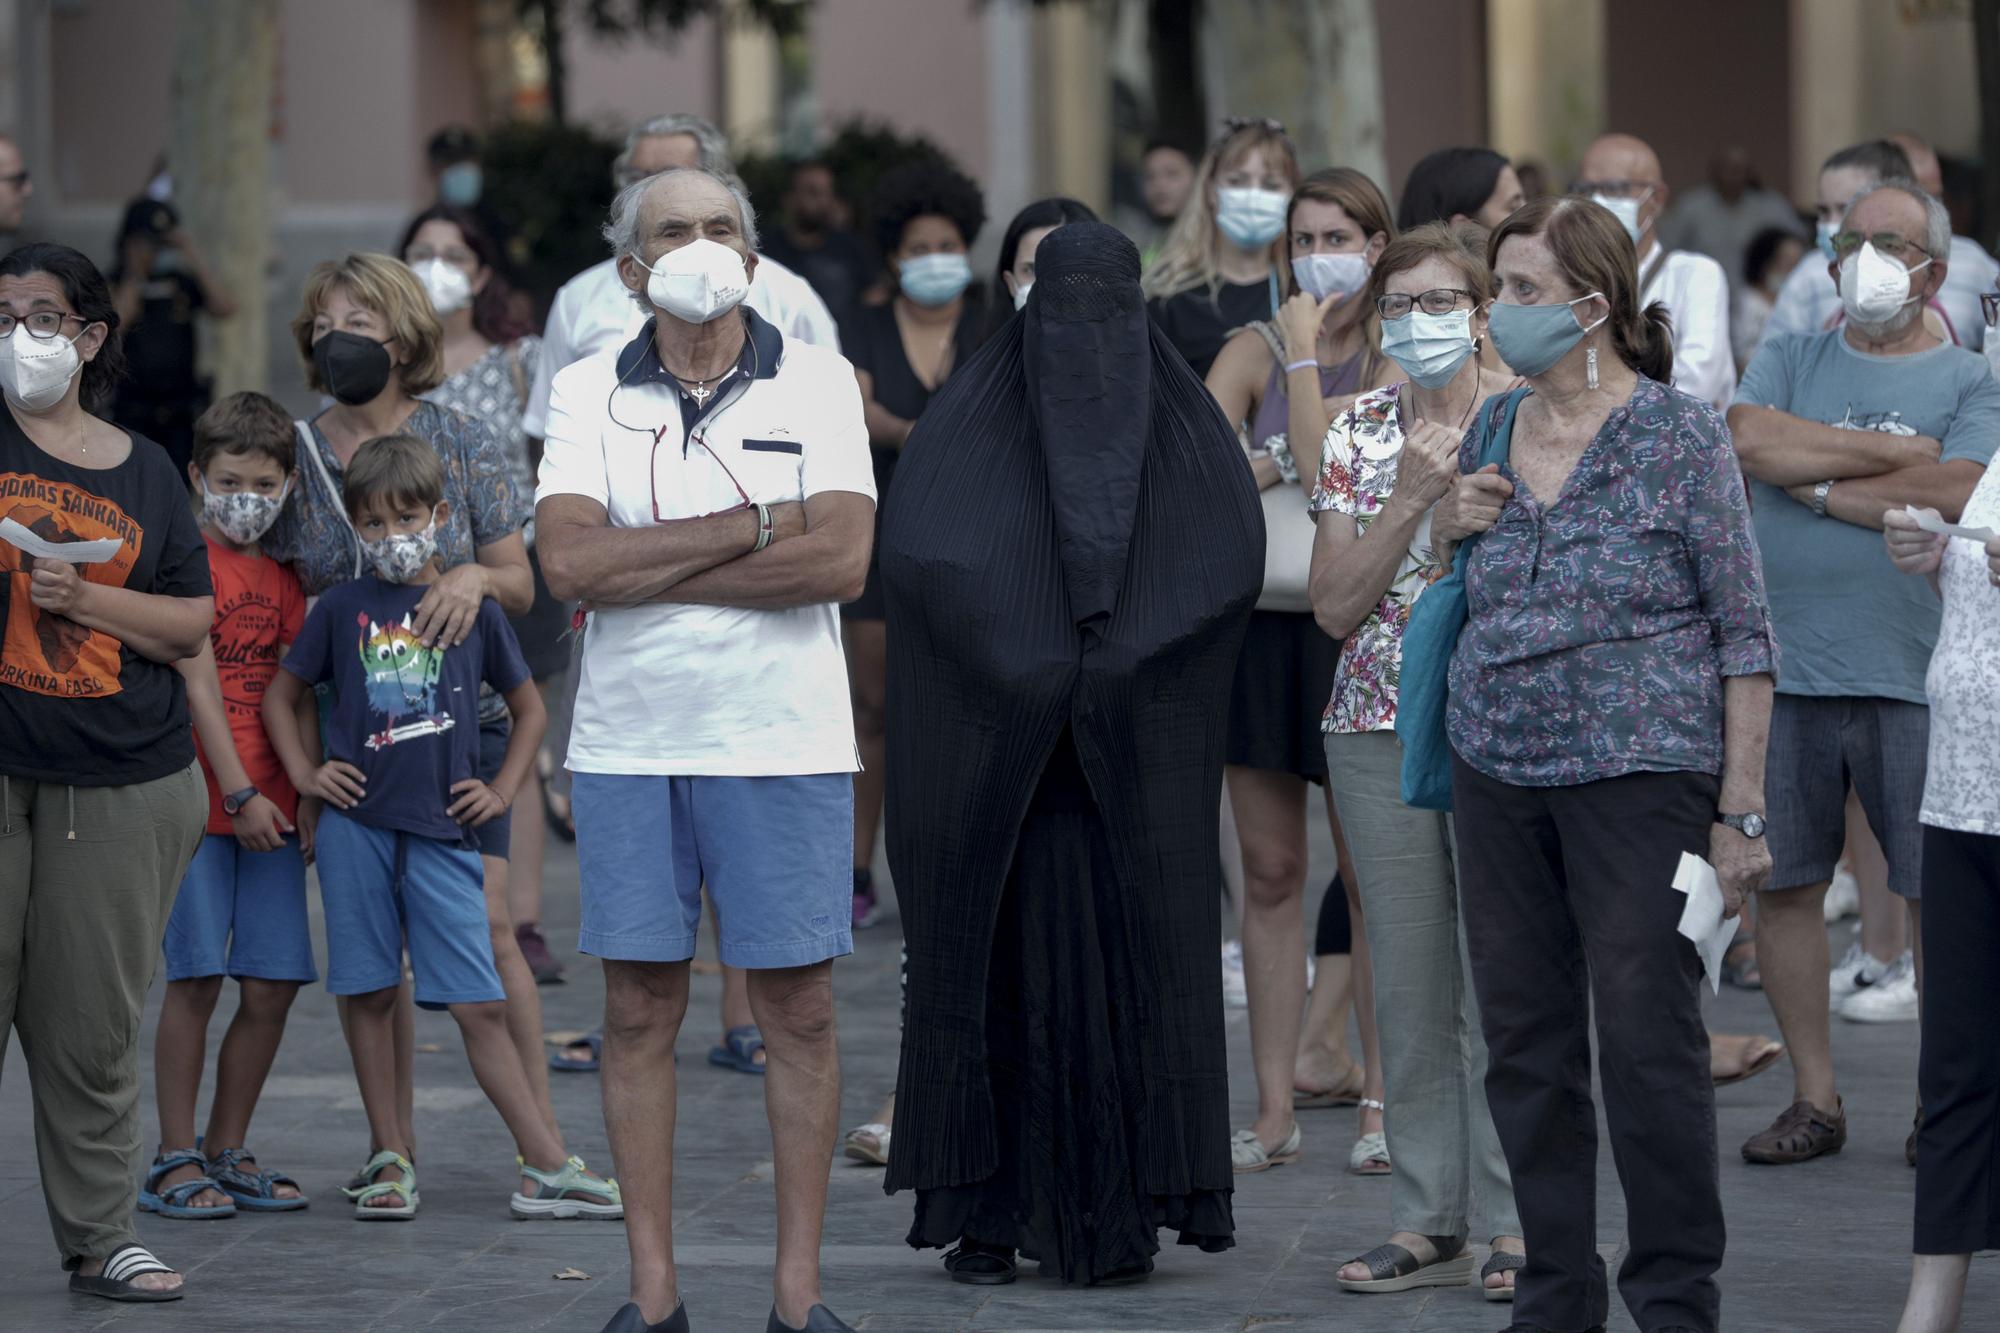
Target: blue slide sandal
[739,1050]
[593,1041]
[173,1200]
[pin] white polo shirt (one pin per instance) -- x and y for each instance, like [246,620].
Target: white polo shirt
[1696,293]
[713,691]
[595,310]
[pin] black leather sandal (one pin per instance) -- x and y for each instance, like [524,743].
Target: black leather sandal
[1501,1262]
[1391,1268]
[979,1265]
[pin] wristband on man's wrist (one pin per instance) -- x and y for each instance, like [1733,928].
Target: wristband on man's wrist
[765,528]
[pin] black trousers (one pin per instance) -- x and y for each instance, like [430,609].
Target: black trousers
[1568,898]
[1958,1072]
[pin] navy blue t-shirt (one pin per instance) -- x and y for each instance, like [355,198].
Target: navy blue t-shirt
[407,716]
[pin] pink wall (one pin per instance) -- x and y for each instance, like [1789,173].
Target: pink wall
[614,86]
[348,75]
[918,64]
[110,63]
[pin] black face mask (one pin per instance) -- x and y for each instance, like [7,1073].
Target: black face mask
[354,369]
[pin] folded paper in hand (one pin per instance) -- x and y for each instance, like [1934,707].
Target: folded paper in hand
[1702,920]
[1932,521]
[76,553]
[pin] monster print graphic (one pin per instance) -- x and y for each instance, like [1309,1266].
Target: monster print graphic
[401,677]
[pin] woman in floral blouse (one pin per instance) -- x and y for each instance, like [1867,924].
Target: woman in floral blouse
[1610,696]
[1385,461]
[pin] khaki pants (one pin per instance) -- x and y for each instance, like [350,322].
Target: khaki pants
[87,878]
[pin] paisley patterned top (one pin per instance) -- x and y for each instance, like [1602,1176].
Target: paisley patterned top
[1962,785]
[1357,474]
[1602,623]
[312,530]
[490,392]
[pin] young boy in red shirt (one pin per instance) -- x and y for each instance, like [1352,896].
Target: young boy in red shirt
[241,911]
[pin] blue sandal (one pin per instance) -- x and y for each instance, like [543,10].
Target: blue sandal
[253,1189]
[593,1040]
[173,1202]
[739,1050]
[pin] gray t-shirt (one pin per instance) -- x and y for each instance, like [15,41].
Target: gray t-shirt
[1847,623]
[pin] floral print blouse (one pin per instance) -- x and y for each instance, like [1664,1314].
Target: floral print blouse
[490,391]
[1602,622]
[1357,474]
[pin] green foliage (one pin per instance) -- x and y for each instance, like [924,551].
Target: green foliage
[858,154]
[552,185]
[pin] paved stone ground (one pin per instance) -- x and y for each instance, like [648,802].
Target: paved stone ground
[1820,1248]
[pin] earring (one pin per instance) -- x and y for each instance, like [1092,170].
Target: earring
[1590,366]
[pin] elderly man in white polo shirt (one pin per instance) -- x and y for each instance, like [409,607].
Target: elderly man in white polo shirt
[706,489]
[1623,173]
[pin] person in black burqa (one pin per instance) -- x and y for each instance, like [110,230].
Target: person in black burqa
[1069,563]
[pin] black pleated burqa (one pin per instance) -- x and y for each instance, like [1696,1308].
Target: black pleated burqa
[1070,561]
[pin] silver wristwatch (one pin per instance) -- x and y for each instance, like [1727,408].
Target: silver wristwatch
[1820,492]
[1749,825]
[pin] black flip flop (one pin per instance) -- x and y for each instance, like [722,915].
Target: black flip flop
[980,1265]
[115,1282]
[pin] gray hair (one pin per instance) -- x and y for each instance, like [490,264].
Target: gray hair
[1937,222]
[621,229]
[710,144]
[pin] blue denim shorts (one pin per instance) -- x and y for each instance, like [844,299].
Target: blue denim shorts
[1821,746]
[776,854]
[380,887]
[241,914]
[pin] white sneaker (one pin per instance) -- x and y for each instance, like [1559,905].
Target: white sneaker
[1235,994]
[1891,999]
[1843,896]
[1855,972]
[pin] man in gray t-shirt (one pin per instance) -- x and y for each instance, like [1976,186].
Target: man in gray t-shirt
[1834,429]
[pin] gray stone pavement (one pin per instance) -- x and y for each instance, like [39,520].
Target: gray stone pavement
[1820,1248]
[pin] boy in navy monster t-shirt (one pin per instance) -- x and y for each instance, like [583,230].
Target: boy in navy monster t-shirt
[397,862]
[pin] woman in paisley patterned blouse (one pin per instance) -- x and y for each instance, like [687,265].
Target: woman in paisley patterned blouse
[1610,696]
[1384,462]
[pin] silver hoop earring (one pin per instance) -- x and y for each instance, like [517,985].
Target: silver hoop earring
[1590,368]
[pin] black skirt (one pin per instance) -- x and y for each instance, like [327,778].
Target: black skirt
[870,605]
[1284,677]
[541,630]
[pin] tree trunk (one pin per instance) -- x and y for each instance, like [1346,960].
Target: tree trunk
[225,56]
[1986,35]
[555,58]
[1180,110]
[1313,64]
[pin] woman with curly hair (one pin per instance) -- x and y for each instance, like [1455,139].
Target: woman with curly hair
[927,216]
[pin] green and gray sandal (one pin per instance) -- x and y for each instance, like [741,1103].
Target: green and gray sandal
[404,1190]
[569,1192]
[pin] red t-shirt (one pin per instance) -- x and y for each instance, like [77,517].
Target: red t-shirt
[259,606]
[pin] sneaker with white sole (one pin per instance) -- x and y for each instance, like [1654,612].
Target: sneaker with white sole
[1855,972]
[1235,992]
[1891,999]
[1843,896]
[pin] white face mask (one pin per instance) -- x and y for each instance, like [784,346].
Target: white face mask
[450,290]
[1875,289]
[1251,217]
[699,282]
[242,516]
[35,373]
[1625,210]
[1021,294]
[1320,276]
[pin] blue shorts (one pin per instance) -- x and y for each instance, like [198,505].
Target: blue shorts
[380,886]
[241,914]
[1820,746]
[776,854]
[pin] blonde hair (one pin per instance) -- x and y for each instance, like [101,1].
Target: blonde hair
[385,287]
[1187,257]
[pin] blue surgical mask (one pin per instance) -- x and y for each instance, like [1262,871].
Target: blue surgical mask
[1824,233]
[1531,338]
[460,184]
[1429,348]
[1251,218]
[934,280]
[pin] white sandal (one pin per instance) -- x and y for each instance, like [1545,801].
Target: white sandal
[1371,1147]
[1249,1156]
[860,1147]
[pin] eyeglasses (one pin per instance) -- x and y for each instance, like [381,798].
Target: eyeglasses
[1231,124]
[43,324]
[1889,243]
[653,475]
[1436,301]
[17,180]
[1613,189]
[1989,307]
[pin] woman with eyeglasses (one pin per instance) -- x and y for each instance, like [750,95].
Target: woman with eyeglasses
[1218,268]
[1383,465]
[101,802]
[1279,381]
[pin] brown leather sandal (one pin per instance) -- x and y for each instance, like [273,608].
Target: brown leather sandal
[1802,1133]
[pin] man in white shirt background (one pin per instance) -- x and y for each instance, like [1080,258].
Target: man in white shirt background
[593,310]
[1807,303]
[1623,174]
